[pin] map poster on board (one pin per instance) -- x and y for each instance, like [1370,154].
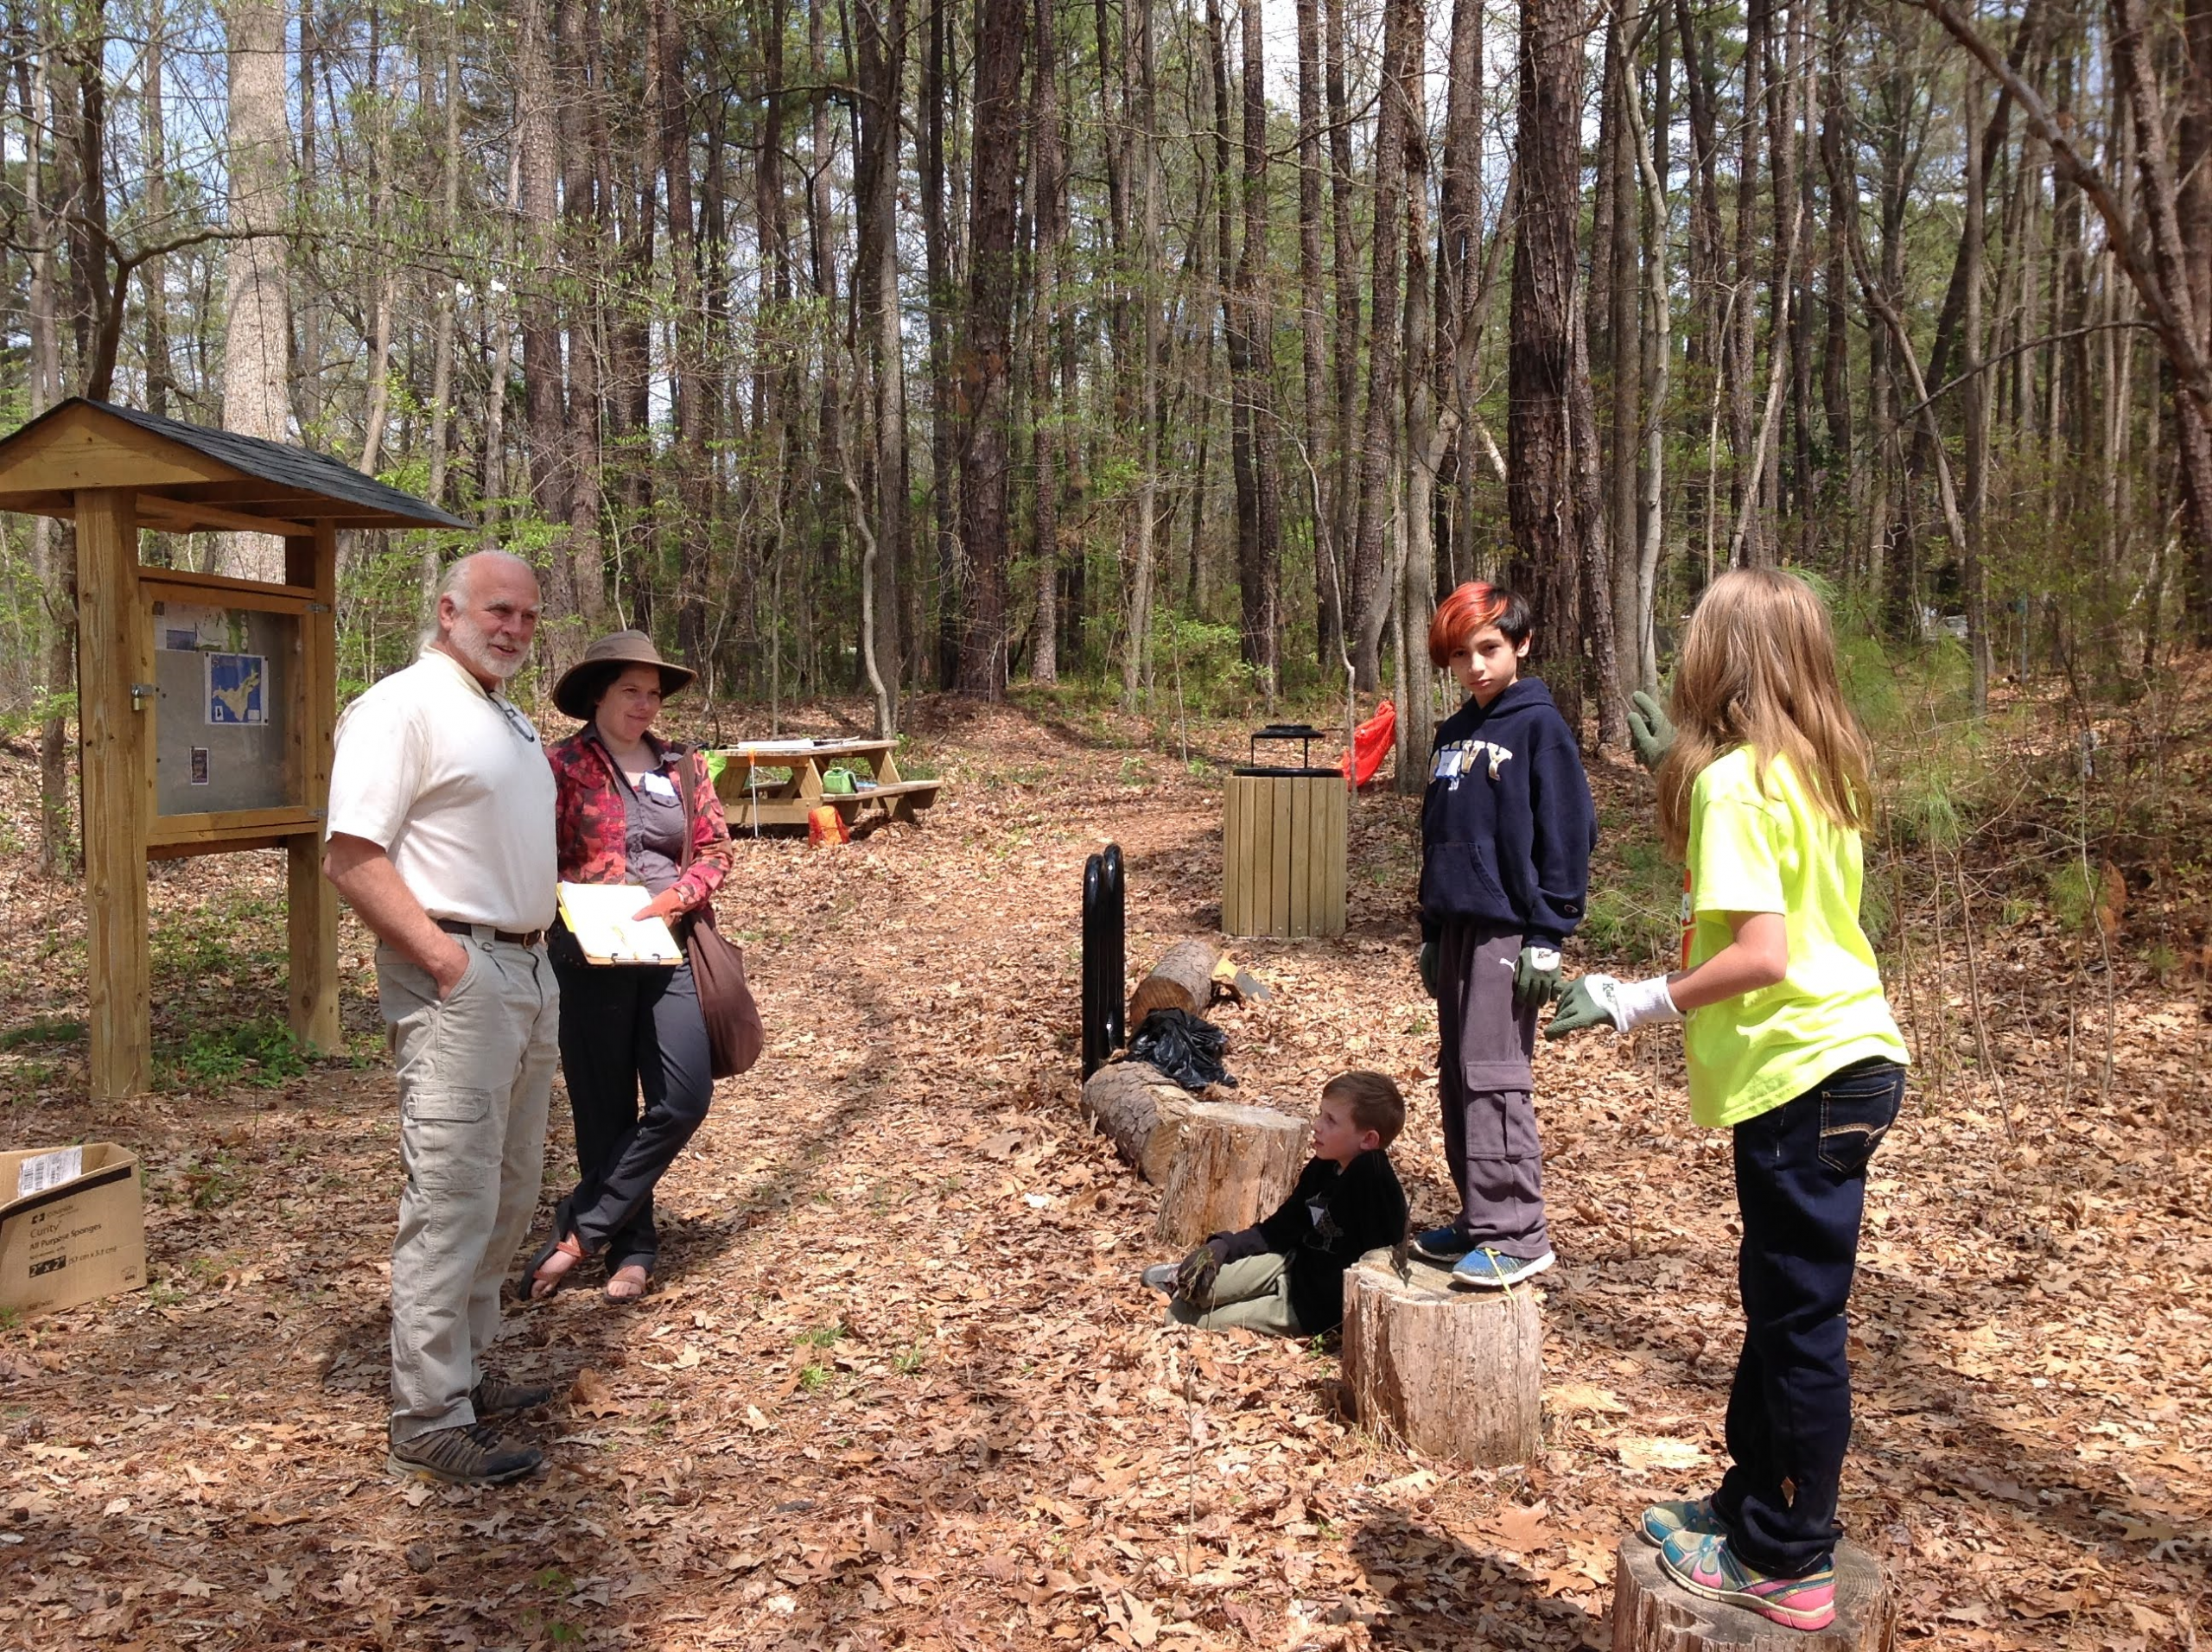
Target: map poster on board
[237,689]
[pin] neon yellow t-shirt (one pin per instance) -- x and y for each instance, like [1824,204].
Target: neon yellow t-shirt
[1774,851]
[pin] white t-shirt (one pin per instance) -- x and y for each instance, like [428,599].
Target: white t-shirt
[453,785]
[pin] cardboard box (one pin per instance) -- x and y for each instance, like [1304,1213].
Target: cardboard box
[73,1228]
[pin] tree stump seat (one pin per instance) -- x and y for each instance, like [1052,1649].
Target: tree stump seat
[1652,1613]
[1445,1372]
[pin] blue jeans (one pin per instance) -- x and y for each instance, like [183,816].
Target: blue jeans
[1801,1183]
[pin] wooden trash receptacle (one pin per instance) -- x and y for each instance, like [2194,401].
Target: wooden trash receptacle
[1282,853]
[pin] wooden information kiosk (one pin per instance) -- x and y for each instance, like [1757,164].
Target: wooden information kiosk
[204,704]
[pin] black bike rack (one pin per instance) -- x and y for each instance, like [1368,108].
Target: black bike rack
[1104,964]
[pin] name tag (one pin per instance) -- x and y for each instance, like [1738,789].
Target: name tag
[658,786]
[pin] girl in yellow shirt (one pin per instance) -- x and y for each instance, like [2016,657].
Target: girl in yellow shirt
[1763,792]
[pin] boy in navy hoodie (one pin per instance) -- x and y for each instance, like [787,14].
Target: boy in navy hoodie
[1507,829]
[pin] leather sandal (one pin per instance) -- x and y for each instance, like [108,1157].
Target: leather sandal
[539,1285]
[629,1283]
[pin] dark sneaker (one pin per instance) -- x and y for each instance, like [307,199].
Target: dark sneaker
[473,1454]
[494,1395]
[1161,1277]
[1485,1269]
[1662,1520]
[1704,1566]
[1445,1244]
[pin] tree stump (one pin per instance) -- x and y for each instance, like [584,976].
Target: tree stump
[1232,1166]
[1182,980]
[1219,1165]
[1449,1372]
[1651,1613]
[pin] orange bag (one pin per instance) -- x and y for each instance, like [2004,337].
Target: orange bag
[1369,742]
[825,825]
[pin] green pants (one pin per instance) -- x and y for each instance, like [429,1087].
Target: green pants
[1251,1293]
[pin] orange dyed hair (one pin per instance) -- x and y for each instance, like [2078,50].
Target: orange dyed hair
[1470,609]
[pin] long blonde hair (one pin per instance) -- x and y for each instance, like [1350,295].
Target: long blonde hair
[1757,669]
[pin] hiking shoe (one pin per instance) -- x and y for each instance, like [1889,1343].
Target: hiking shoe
[1485,1269]
[1161,1277]
[1702,1564]
[472,1454]
[1445,1244]
[1662,1520]
[493,1394]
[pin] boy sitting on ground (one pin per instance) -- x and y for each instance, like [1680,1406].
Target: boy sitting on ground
[1286,1275]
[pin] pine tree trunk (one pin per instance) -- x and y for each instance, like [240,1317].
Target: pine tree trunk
[257,340]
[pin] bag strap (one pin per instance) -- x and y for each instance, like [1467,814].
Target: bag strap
[682,756]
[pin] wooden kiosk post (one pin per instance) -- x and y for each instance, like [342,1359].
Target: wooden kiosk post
[168,657]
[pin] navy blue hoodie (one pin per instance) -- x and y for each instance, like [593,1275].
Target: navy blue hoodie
[1507,825]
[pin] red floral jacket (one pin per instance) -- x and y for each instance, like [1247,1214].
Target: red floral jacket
[591,827]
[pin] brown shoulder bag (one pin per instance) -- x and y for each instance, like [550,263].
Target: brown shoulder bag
[733,1031]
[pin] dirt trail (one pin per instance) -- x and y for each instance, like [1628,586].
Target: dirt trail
[896,1385]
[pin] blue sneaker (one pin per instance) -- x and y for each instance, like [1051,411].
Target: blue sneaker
[1445,1244]
[1485,1269]
[1662,1520]
[1704,1565]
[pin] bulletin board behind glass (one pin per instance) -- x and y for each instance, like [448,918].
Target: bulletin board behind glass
[225,677]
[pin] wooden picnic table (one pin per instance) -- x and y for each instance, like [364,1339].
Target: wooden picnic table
[750,798]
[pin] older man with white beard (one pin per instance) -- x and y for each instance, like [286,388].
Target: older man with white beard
[441,836]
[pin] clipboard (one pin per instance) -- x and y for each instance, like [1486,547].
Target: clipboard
[598,915]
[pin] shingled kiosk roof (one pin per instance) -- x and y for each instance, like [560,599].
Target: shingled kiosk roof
[189,477]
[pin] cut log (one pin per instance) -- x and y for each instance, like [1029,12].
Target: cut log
[1232,1166]
[1219,1164]
[1183,980]
[1449,1372]
[1651,1613]
[1141,1110]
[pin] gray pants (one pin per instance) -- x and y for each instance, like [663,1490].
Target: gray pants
[1251,1293]
[1484,1080]
[475,1074]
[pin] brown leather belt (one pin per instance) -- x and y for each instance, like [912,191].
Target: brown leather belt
[512,938]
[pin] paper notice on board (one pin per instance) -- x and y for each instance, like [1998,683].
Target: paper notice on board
[190,627]
[47,1170]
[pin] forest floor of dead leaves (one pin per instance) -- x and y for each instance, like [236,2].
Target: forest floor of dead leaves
[898,1384]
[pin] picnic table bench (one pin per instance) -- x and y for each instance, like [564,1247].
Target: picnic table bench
[751,797]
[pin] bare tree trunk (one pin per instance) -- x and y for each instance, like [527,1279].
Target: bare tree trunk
[1371,593]
[544,385]
[153,275]
[1048,181]
[882,58]
[1319,441]
[585,210]
[979,366]
[1547,561]
[1642,666]
[1136,663]
[1424,446]
[1343,493]
[1259,578]
[257,344]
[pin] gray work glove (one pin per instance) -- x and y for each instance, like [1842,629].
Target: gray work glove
[1428,968]
[1535,978]
[1649,730]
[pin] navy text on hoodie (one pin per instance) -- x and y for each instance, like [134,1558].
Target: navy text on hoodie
[1506,826]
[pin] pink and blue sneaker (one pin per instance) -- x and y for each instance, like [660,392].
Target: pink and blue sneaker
[1662,1520]
[1701,1563]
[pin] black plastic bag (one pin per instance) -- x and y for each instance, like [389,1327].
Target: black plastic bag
[1184,1047]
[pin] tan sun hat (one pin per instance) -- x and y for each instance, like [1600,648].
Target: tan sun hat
[581,686]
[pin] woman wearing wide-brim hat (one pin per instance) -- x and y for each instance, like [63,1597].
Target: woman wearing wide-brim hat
[633,1042]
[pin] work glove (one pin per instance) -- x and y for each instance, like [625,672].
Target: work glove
[1535,978]
[1649,730]
[670,903]
[1195,1274]
[1428,968]
[1601,1001]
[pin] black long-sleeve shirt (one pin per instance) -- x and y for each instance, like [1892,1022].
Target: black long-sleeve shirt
[1332,1218]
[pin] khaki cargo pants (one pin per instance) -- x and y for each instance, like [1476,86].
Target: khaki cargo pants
[1251,1293]
[474,1073]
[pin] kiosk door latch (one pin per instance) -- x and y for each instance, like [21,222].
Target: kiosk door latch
[142,692]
